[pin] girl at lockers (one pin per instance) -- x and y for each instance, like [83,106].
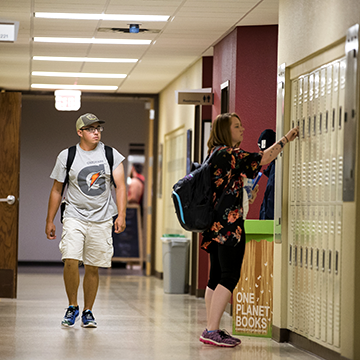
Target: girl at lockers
[225,239]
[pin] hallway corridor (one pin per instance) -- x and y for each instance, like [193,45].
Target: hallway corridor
[136,320]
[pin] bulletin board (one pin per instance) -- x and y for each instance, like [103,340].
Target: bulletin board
[128,244]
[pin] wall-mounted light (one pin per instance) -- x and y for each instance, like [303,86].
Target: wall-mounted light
[67,100]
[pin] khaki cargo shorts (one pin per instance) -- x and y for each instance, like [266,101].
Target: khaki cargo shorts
[89,242]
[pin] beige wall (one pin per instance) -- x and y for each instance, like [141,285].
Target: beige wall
[305,28]
[172,117]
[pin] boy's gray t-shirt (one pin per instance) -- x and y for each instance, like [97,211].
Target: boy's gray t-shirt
[88,195]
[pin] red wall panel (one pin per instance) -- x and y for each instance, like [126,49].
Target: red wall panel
[248,59]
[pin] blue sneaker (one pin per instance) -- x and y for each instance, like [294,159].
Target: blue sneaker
[71,314]
[88,320]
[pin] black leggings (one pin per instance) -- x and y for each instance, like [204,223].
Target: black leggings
[225,264]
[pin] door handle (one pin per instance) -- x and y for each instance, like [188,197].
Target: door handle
[10,199]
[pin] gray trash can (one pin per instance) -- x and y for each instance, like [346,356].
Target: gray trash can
[175,263]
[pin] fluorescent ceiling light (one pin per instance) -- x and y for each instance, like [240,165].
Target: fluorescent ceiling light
[91,41]
[116,17]
[73,87]
[83,59]
[81,75]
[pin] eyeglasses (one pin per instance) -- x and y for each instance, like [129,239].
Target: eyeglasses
[93,129]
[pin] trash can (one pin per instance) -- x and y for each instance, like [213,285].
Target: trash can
[175,262]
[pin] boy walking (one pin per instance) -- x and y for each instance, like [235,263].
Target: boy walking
[88,216]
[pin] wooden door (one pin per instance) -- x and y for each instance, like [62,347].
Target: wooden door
[10,113]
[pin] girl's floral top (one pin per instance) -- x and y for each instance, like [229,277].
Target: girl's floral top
[227,164]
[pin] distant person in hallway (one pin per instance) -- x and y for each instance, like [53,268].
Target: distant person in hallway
[137,186]
[266,139]
[88,216]
[225,239]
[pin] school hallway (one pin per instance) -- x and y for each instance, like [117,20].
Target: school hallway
[136,320]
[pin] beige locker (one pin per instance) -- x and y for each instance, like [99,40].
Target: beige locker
[340,132]
[330,270]
[337,274]
[312,273]
[333,99]
[291,273]
[324,273]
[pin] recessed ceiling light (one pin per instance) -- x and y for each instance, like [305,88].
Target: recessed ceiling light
[73,87]
[75,74]
[116,17]
[83,59]
[91,41]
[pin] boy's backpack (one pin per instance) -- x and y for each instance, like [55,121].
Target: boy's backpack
[193,198]
[70,159]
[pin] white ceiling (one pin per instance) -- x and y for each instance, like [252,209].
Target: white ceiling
[194,27]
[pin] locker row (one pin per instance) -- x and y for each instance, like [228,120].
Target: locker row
[314,253]
[317,155]
[315,206]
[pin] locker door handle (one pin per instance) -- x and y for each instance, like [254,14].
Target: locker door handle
[317,259]
[320,123]
[327,121]
[330,261]
[340,111]
[303,129]
[336,262]
[10,199]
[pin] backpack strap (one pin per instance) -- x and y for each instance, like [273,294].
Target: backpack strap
[69,161]
[110,158]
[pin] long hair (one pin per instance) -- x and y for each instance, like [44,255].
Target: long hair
[220,131]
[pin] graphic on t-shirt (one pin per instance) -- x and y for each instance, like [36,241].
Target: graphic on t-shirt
[91,180]
[94,177]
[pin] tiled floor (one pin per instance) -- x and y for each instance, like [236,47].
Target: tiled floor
[136,320]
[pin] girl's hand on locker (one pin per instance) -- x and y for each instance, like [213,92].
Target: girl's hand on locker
[292,134]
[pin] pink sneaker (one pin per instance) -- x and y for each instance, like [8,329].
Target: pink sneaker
[219,338]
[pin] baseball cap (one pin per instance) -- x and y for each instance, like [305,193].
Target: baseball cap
[266,139]
[87,119]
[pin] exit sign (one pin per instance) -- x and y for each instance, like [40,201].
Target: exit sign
[67,100]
